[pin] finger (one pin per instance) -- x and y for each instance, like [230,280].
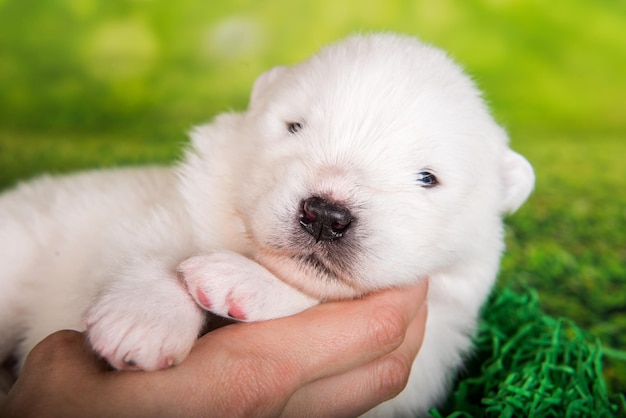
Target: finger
[262,364]
[331,338]
[265,363]
[55,371]
[357,391]
[364,331]
[66,350]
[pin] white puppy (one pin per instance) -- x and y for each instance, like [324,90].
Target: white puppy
[374,164]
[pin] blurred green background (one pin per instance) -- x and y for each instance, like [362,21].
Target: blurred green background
[87,83]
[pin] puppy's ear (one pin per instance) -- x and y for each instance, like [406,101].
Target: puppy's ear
[518,179]
[264,83]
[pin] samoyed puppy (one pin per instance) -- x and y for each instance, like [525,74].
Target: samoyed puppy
[374,164]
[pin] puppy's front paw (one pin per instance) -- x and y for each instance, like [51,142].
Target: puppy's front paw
[233,286]
[142,334]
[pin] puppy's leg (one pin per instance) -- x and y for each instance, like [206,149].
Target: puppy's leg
[145,319]
[142,316]
[231,285]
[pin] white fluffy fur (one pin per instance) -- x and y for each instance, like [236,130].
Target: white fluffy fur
[100,250]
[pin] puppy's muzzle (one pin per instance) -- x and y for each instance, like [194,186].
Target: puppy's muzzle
[323,219]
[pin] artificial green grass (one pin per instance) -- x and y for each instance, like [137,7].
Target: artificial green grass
[529,364]
[568,240]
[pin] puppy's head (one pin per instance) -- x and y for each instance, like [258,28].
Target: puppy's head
[375,163]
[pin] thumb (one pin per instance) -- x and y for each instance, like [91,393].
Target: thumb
[64,350]
[55,371]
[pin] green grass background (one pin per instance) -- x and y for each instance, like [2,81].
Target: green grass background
[86,83]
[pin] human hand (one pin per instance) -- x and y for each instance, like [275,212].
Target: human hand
[338,359]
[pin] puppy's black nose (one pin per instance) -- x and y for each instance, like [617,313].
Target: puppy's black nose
[323,219]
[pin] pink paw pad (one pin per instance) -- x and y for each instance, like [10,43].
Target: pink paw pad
[203,299]
[235,311]
[166,362]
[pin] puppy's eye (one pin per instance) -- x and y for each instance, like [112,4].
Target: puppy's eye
[427,179]
[294,127]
